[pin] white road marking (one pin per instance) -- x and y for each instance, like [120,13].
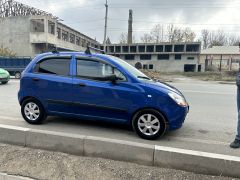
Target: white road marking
[208,92]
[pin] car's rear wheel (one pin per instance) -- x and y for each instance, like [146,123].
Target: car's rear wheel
[33,111]
[17,75]
[4,82]
[149,124]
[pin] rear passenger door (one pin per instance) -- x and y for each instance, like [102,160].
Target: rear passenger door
[52,83]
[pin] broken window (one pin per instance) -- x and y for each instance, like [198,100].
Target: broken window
[150,48]
[178,48]
[133,49]
[51,27]
[150,66]
[141,48]
[145,56]
[163,57]
[64,35]
[159,48]
[192,48]
[72,38]
[168,48]
[129,57]
[118,48]
[178,56]
[77,40]
[59,33]
[37,25]
[125,48]
[111,49]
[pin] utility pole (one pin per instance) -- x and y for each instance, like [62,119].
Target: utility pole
[105,27]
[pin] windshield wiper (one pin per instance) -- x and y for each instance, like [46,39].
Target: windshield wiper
[143,77]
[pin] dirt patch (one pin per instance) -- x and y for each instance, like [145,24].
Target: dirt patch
[41,164]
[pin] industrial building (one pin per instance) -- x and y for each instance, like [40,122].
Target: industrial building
[168,57]
[28,31]
[221,58]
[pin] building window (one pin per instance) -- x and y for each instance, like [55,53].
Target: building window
[150,48]
[190,58]
[159,48]
[72,38]
[59,33]
[125,48]
[84,43]
[179,48]
[133,49]
[192,48]
[64,35]
[145,66]
[145,56]
[178,56]
[150,66]
[141,48]
[129,57]
[51,27]
[168,48]
[118,49]
[163,57]
[37,25]
[111,49]
[77,40]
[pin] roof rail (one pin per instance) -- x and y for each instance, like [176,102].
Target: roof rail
[55,50]
[88,51]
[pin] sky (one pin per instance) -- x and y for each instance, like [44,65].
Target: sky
[87,16]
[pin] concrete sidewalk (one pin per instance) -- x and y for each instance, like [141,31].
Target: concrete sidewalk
[152,155]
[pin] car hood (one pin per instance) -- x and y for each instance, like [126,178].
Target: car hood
[162,85]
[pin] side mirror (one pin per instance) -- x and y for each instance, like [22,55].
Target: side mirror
[113,78]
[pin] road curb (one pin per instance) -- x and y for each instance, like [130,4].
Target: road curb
[4,176]
[193,161]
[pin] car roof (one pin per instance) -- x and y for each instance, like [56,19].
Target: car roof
[105,57]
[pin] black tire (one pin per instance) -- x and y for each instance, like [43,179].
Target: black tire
[41,116]
[17,75]
[155,115]
[4,82]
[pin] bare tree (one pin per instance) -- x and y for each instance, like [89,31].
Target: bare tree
[147,38]
[218,38]
[233,40]
[188,35]
[6,52]
[205,38]
[158,33]
[123,38]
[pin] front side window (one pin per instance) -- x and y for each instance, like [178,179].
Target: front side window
[96,70]
[55,66]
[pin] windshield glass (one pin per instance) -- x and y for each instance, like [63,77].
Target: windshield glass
[132,70]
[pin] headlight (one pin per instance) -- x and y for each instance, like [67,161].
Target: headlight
[178,99]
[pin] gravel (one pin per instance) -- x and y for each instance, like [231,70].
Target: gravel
[40,164]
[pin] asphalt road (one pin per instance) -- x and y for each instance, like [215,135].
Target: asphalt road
[210,126]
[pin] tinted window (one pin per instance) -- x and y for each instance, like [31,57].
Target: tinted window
[54,66]
[96,70]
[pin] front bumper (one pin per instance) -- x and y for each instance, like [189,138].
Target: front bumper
[4,79]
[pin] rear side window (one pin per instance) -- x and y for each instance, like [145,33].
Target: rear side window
[55,66]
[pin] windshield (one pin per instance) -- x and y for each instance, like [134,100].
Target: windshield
[132,70]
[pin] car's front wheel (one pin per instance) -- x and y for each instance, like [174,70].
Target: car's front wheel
[149,124]
[33,111]
[4,82]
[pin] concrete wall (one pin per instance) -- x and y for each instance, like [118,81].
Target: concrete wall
[15,35]
[170,65]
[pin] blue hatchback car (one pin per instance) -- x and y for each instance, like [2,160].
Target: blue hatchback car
[99,87]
